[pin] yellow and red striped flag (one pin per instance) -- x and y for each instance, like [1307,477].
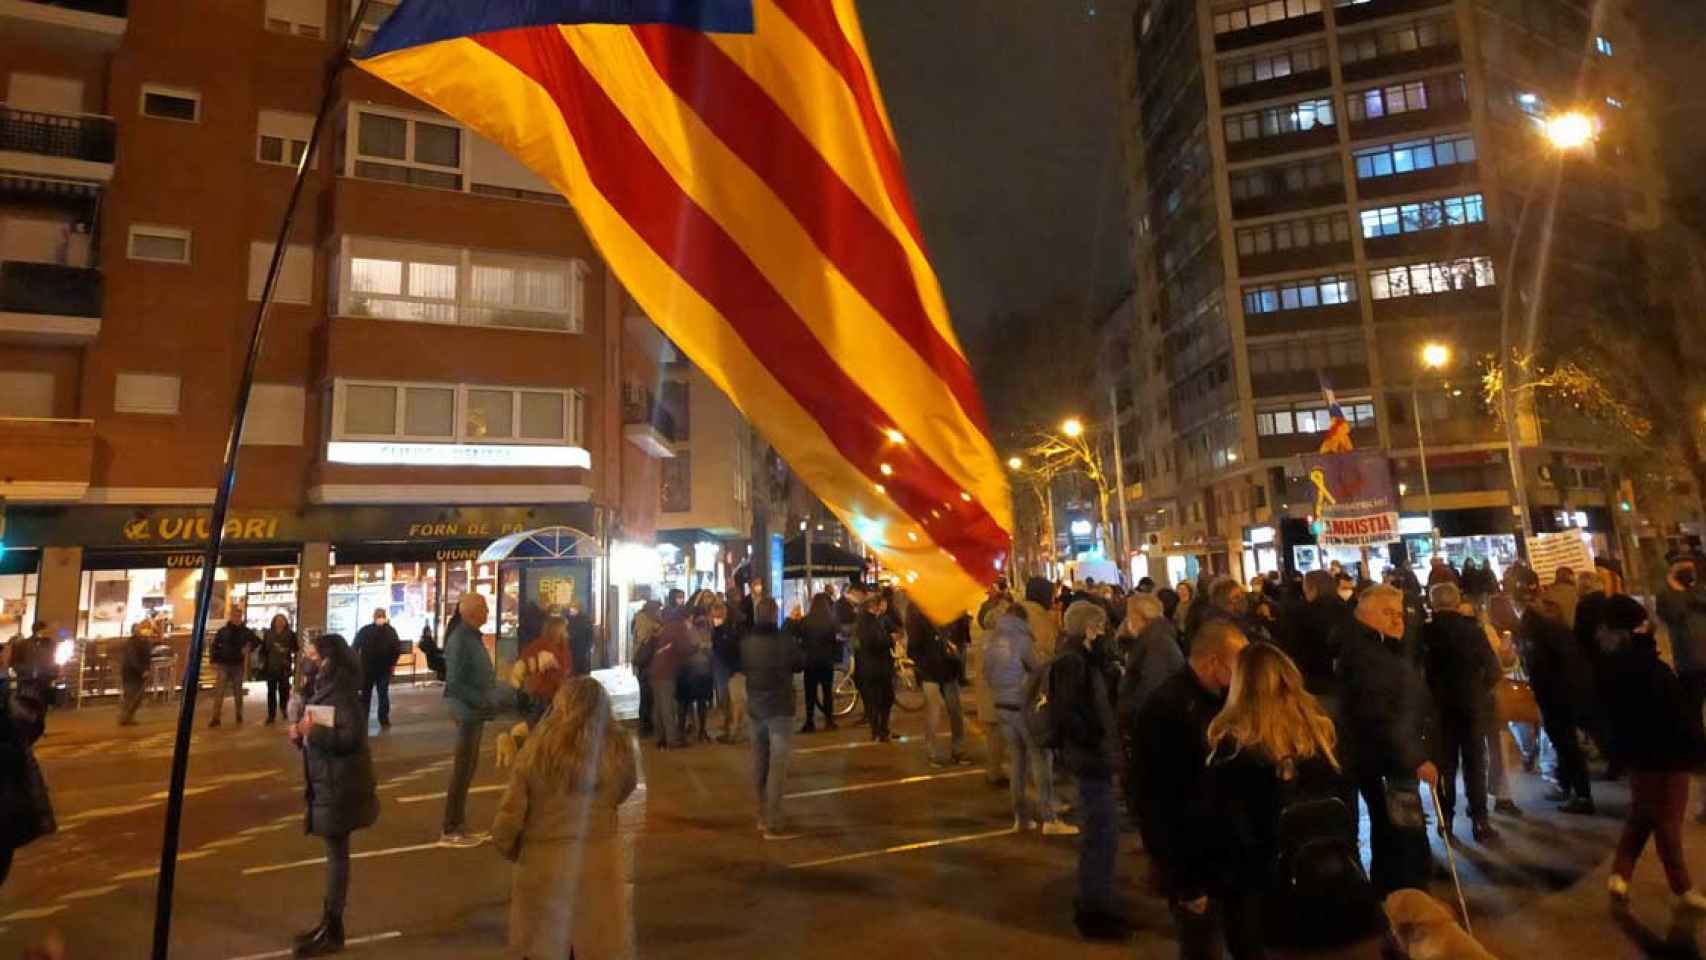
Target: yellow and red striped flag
[734,164]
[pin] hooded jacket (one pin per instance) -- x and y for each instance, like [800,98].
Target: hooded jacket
[1008,659]
[341,793]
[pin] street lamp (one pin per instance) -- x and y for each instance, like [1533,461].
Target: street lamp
[1072,427]
[1435,357]
[1572,130]
[1014,463]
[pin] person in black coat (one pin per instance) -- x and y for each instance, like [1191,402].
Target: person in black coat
[1384,734]
[26,812]
[1657,732]
[939,660]
[820,641]
[580,639]
[1312,631]
[1461,670]
[341,793]
[873,667]
[1561,679]
[378,648]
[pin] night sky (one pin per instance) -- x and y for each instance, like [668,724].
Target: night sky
[1007,113]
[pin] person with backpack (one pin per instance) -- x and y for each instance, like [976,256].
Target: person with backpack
[1073,694]
[1172,759]
[939,662]
[1009,663]
[1282,861]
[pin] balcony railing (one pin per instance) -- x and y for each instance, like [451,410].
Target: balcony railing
[57,135]
[110,8]
[47,288]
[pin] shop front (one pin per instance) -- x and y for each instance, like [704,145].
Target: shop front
[1261,551]
[19,584]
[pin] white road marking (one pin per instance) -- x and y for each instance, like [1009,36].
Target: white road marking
[227,842]
[100,812]
[423,797]
[352,942]
[89,894]
[903,848]
[855,745]
[363,855]
[881,784]
[139,874]
[35,914]
[269,828]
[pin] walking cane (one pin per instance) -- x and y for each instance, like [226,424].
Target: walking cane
[1451,858]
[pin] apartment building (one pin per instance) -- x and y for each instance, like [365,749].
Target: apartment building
[1321,187]
[444,363]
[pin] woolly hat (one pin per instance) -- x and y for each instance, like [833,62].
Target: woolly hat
[1623,612]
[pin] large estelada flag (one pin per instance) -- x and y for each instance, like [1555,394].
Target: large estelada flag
[734,164]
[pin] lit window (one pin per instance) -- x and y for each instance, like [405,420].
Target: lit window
[1603,46]
[395,280]
[1614,103]
[462,413]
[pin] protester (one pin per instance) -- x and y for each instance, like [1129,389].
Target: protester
[341,793]
[1385,738]
[230,658]
[1009,661]
[572,892]
[1089,745]
[873,667]
[469,685]
[939,661]
[820,643]
[278,664]
[1657,731]
[1313,632]
[580,638]
[540,669]
[1494,728]
[1563,592]
[770,657]
[642,646]
[694,685]
[1682,608]
[1038,610]
[1172,758]
[729,684]
[673,646]
[1439,571]
[133,670]
[23,792]
[1562,681]
[1152,658]
[378,648]
[1462,671]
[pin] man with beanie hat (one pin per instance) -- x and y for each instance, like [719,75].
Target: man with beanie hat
[1089,744]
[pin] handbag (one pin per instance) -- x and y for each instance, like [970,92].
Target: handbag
[1404,804]
[1513,702]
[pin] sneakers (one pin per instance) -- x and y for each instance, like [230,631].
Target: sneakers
[1619,888]
[1692,900]
[938,763]
[1058,828]
[460,840]
[1507,806]
[1021,825]
[961,760]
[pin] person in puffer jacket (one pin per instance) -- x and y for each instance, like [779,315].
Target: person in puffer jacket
[1009,661]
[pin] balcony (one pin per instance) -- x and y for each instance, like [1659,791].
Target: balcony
[1403,62]
[1277,87]
[1269,32]
[45,460]
[1296,258]
[1362,11]
[648,426]
[44,303]
[79,24]
[1307,318]
[1459,241]
[54,145]
[1480,300]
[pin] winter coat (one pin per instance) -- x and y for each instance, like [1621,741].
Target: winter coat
[133,663]
[1461,665]
[674,645]
[469,677]
[1312,637]
[770,657]
[278,654]
[929,651]
[1038,607]
[378,647]
[1386,706]
[1684,615]
[875,660]
[1244,794]
[342,795]
[1171,739]
[820,642]
[580,643]
[26,811]
[1008,660]
[573,884]
[231,644]
[1080,687]
[1652,728]
[642,642]
[1558,671]
[1566,597]
[1154,657]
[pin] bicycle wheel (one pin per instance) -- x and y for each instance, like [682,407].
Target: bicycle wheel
[845,692]
[908,692]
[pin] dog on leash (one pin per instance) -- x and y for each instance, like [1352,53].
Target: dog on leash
[1426,929]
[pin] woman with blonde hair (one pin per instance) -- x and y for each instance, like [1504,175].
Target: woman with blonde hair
[1286,844]
[572,889]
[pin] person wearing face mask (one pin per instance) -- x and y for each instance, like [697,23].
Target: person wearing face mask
[1386,721]
[1312,635]
[1172,756]
[1089,745]
[1682,608]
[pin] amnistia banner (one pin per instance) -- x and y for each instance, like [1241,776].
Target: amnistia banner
[1354,500]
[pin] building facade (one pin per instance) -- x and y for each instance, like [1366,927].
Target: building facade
[444,363]
[1319,189]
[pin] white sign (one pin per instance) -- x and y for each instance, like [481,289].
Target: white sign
[385,453]
[1549,551]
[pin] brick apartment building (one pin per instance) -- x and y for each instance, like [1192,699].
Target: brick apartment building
[445,363]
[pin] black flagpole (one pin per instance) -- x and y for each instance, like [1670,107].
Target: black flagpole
[222,501]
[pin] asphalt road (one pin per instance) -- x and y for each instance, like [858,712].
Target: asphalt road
[896,855]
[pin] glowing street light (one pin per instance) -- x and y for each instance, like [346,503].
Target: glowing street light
[1435,355]
[1014,463]
[1073,427]
[1572,130]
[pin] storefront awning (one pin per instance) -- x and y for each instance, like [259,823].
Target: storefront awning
[546,543]
[828,560]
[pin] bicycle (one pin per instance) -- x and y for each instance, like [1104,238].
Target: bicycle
[908,691]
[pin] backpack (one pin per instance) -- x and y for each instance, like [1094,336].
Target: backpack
[1038,709]
[1322,896]
[1054,721]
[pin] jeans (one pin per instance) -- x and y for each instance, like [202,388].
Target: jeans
[1560,724]
[1460,737]
[820,693]
[379,680]
[1401,857]
[646,707]
[1657,801]
[770,739]
[994,733]
[939,696]
[720,692]
[1498,780]
[133,692]
[1027,765]
[278,697]
[1098,842]
[337,874]
[227,678]
[663,713]
[467,758]
[734,722]
[1235,919]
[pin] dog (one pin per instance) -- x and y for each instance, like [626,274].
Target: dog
[1426,929]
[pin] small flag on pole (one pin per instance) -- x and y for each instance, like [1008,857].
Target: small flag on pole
[734,163]
[1338,435]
